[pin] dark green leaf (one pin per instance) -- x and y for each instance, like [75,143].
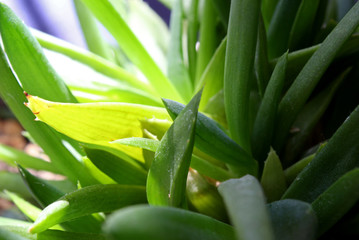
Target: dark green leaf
[166,182]
[139,223]
[122,171]
[238,72]
[293,219]
[339,156]
[264,123]
[337,200]
[308,78]
[212,140]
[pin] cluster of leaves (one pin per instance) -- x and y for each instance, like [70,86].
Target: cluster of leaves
[273,79]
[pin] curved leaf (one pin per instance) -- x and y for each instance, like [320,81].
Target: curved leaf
[88,200]
[166,182]
[162,223]
[96,123]
[245,203]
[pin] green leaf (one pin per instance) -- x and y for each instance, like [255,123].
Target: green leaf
[261,64]
[12,156]
[36,76]
[308,78]
[122,171]
[6,234]
[166,181]
[96,123]
[95,42]
[115,24]
[88,200]
[13,182]
[138,223]
[302,27]
[245,203]
[177,71]
[280,26]
[192,38]
[273,179]
[337,200]
[337,157]
[207,38]
[197,163]
[268,8]
[210,139]
[264,123]
[12,94]
[213,76]
[309,117]
[203,195]
[45,194]
[60,235]
[222,8]
[293,219]
[292,172]
[25,207]
[238,72]
[99,64]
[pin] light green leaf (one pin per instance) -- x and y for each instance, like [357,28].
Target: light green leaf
[13,156]
[138,223]
[88,200]
[245,203]
[273,179]
[114,22]
[166,181]
[96,123]
[177,71]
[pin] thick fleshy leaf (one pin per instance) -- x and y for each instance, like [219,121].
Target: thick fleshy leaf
[211,140]
[129,43]
[45,194]
[60,235]
[273,179]
[337,200]
[122,171]
[36,76]
[264,123]
[53,144]
[245,203]
[13,156]
[166,181]
[192,38]
[222,8]
[304,84]
[6,234]
[212,77]
[293,219]
[308,118]
[99,64]
[88,200]
[203,166]
[207,38]
[238,72]
[13,182]
[139,223]
[280,26]
[29,210]
[96,123]
[203,195]
[300,33]
[177,71]
[94,40]
[338,156]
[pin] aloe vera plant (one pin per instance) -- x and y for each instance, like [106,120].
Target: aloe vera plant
[238,121]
